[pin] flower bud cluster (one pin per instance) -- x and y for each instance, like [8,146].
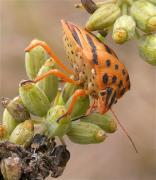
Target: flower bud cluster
[41,107]
[126,20]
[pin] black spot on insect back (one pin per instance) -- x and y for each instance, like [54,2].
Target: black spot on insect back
[105,78]
[123,72]
[108,49]
[120,84]
[114,78]
[129,85]
[116,67]
[90,41]
[123,91]
[108,63]
[127,78]
[76,37]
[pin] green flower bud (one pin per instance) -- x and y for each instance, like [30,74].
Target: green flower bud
[55,127]
[11,168]
[34,59]
[80,107]
[144,14]
[9,122]
[103,17]
[3,133]
[86,133]
[34,98]
[147,48]
[49,84]
[59,99]
[68,91]
[105,122]
[23,133]
[124,29]
[16,108]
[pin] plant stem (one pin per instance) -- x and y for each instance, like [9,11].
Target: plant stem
[137,34]
[124,9]
[130,2]
[119,2]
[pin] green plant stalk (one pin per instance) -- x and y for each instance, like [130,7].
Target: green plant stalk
[124,9]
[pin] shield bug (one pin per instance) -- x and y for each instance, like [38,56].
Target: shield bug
[95,66]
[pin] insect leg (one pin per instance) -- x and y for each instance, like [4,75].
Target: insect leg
[57,73]
[77,93]
[91,108]
[36,43]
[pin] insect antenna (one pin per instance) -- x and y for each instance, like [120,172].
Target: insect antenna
[125,131]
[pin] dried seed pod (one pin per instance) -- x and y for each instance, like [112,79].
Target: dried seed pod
[49,84]
[89,5]
[34,59]
[34,98]
[68,91]
[144,14]
[16,108]
[103,17]
[124,29]
[3,133]
[11,168]
[60,156]
[59,99]
[9,122]
[23,133]
[57,127]
[147,48]
[86,133]
[105,122]
[80,107]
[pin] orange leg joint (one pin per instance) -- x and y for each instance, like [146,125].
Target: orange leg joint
[57,73]
[36,43]
[77,93]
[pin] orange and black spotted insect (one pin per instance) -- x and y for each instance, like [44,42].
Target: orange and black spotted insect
[94,65]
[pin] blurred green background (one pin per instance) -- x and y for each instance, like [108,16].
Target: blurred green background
[23,20]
